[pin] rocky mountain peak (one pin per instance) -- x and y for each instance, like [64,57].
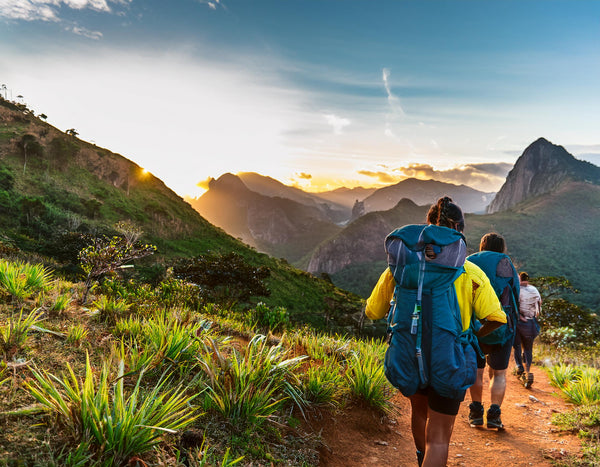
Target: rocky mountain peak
[228,182]
[541,168]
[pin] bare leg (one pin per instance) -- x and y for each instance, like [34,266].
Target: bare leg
[497,386]
[439,432]
[476,390]
[418,421]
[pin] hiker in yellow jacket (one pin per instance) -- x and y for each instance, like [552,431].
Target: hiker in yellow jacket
[433,415]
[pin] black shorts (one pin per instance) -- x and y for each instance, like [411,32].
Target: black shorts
[497,360]
[440,404]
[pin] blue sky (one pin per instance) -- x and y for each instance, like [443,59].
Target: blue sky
[314,93]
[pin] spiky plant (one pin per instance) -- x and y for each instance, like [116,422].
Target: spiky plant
[251,387]
[13,335]
[117,424]
[76,334]
[585,389]
[366,379]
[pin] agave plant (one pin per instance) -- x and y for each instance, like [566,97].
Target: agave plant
[562,375]
[321,384]
[118,425]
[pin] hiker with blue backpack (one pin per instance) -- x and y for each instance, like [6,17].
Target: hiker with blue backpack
[429,293]
[497,345]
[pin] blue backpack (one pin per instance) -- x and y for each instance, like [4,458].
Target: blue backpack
[504,278]
[427,346]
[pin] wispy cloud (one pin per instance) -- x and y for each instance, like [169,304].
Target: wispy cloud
[304,176]
[96,35]
[393,100]
[338,123]
[47,10]
[213,4]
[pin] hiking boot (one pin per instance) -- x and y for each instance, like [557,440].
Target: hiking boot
[518,371]
[493,417]
[420,457]
[528,380]
[475,414]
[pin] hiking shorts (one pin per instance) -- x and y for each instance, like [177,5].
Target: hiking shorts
[497,360]
[439,403]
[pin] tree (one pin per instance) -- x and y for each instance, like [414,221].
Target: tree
[43,116]
[29,145]
[72,131]
[106,255]
[224,278]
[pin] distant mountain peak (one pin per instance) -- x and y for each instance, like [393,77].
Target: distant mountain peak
[541,169]
[228,182]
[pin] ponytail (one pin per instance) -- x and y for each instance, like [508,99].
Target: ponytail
[448,214]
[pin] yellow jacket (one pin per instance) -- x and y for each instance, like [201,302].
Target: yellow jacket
[474,292]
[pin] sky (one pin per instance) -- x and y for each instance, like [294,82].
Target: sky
[315,93]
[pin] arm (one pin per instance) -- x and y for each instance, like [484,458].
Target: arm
[488,327]
[485,302]
[378,303]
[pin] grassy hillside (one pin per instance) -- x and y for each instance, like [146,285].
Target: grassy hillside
[53,184]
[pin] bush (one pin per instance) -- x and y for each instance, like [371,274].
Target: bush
[224,278]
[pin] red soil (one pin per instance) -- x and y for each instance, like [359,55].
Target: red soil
[359,438]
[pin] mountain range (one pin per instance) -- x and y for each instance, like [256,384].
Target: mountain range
[287,222]
[550,228]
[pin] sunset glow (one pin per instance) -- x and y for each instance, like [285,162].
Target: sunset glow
[335,94]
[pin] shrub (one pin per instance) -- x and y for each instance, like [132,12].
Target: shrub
[276,319]
[224,278]
[106,255]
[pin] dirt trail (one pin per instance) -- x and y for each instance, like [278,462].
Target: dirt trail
[357,438]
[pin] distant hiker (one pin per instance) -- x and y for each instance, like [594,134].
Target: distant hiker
[530,305]
[433,294]
[492,259]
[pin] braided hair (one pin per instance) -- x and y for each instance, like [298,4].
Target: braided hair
[447,214]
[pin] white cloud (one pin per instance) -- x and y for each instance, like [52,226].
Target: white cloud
[27,10]
[47,10]
[392,99]
[213,4]
[338,123]
[85,32]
